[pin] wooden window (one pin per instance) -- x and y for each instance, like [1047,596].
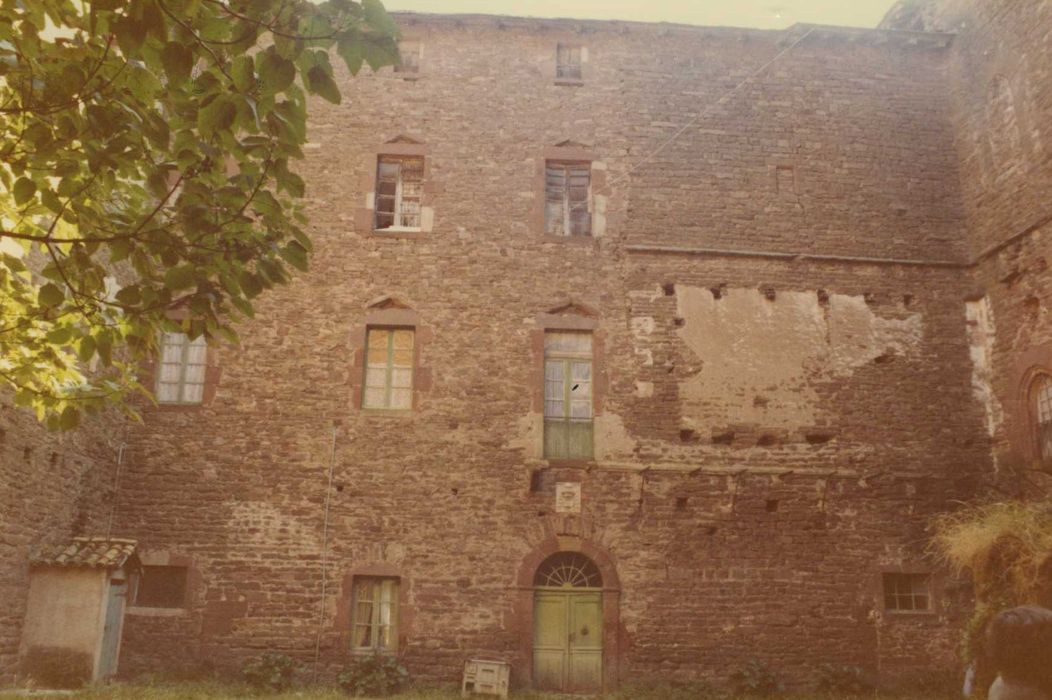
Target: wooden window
[161,587]
[567,395]
[375,623]
[181,371]
[388,369]
[568,62]
[1041,398]
[907,592]
[410,53]
[566,188]
[399,183]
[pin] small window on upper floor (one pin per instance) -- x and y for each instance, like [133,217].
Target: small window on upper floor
[411,53]
[181,370]
[161,587]
[388,369]
[399,184]
[907,592]
[568,59]
[566,190]
[1041,403]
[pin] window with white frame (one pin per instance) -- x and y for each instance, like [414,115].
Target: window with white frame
[388,369]
[375,625]
[567,395]
[1042,402]
[566,188]
[568,62]
[907,592]
[399,184]
[181,371]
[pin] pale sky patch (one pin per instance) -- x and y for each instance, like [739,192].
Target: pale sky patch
[763,14]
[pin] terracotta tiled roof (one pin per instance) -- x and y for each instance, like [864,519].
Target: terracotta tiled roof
[102,552]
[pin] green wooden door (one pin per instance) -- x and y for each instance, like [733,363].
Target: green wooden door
[568,640]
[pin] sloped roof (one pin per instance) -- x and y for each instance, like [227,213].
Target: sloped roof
[92,552]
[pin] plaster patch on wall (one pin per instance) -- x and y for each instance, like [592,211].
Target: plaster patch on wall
[761,358]
[981,334]
[610,437]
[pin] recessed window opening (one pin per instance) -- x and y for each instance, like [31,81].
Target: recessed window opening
[181,372]
[907,592]
[161,587]
[1042,400]
[375,625]
[388,369]
[410,53]
[566,187]
[567,395]
[399,185]
[568,59]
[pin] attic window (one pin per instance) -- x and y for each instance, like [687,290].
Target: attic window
[568,62]
[399,183]
[907,592]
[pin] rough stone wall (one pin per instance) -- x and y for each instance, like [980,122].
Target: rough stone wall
[52,487]
[762,457]
[1002,68]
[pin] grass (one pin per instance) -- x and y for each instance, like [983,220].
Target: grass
[217,691]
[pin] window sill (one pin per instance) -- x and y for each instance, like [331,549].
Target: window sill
[178,407]
[569,240]
[387,412]
[373,652]
[575,463]
[142,611]
[398,233]
[910,614]
[407,76]
[570,82]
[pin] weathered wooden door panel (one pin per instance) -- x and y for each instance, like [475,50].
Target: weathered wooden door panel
[568,640]
[586,642]
[117,593]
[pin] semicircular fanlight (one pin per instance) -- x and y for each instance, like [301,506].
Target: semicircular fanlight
[568,570]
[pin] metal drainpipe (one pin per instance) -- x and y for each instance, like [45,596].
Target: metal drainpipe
[116,487]
[324,558]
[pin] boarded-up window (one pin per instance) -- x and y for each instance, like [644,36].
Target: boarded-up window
[410,53]
[907,592]
[375,623]
[161,587]
[389,368]
[567,395]
[1042,398]
[181,371]
[568,62]
[399,183]
[566,199]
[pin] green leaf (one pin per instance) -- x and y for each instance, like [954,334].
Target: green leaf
[70,418]
[243,73]
[178,62]
[275,72]
[180,277]
[376,17]
[320,82]
[219,114]
[24,190]
[50,295]
[86,349]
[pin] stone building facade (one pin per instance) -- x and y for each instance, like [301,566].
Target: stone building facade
[811,311]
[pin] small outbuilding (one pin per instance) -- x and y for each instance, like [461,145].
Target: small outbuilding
[77,596]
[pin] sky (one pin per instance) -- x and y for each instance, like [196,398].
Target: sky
[762,14]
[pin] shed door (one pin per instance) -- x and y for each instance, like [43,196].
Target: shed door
[568,640]
[111,631]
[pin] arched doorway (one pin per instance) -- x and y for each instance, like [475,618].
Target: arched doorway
[568,624]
